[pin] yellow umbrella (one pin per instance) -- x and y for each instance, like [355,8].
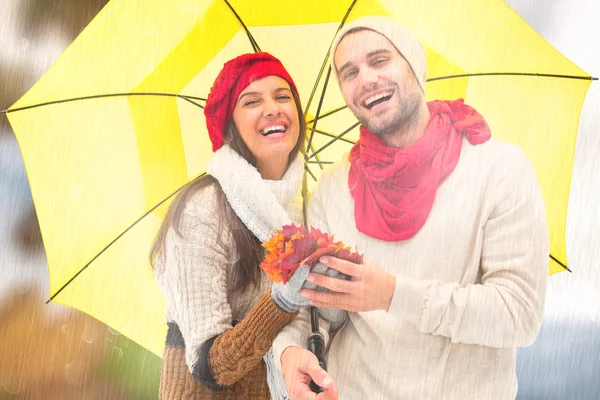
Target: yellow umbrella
[115,127]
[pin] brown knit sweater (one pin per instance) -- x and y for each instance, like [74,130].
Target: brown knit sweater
[235,359]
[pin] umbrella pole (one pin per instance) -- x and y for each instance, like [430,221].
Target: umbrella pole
[315,341]
[316,345]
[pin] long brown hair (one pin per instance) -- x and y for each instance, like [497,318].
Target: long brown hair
[246,271]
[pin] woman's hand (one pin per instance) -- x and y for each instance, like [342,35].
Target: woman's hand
[287,296]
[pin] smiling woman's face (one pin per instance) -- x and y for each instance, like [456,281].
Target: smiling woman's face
[267,120]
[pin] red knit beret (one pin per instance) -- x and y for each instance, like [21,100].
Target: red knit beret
[235,76]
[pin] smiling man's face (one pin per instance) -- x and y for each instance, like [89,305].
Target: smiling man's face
[377,83]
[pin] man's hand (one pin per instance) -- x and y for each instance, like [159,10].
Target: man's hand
[369,288]
[299,367]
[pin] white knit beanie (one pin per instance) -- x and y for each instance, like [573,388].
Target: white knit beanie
[405,42]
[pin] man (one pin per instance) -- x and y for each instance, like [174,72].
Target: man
[453,229]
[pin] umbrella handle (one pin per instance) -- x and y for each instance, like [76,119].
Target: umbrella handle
[316,345]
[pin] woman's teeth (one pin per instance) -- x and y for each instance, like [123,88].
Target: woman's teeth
[270,130]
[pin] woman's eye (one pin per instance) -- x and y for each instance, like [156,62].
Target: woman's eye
[283,97]
[251,102]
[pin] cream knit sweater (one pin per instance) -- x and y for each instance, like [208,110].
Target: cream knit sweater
[470,285]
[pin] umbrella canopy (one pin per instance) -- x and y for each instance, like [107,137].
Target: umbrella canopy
[115,127]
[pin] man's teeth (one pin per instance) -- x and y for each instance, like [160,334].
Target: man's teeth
[369,102]
[272,129]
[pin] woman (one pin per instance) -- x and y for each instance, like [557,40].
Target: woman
[222,313]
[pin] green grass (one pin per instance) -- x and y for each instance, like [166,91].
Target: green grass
[133,368]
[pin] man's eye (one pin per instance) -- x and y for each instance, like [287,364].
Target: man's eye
[380,60]
[349,74]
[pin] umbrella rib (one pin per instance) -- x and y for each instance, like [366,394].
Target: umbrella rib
[560,263]
[328,113]
[310,172]
[100,96]
[177,191]
[117,238]
[253,42]
[314,125]
[334,140]
[331,135]
[320,162]
[186,97]
[314,90]
[587,78]
[469,75]
[193,102]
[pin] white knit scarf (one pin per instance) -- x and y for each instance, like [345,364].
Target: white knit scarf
[263,205]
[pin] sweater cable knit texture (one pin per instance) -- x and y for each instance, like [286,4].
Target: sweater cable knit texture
[195,274]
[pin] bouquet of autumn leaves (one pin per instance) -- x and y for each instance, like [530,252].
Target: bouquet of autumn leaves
[293,246]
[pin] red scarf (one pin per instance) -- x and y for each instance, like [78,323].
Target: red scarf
[394,189]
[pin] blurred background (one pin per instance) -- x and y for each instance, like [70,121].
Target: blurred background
[54,352]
